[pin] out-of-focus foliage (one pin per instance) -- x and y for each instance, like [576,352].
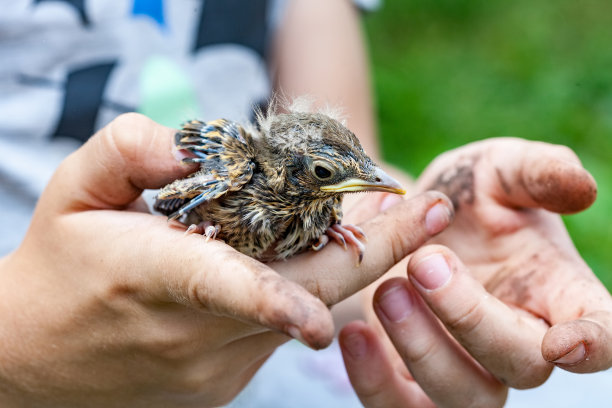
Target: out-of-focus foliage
[448,72]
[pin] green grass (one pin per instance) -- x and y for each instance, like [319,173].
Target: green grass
[449,72]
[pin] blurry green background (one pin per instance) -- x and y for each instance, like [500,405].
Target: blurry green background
[448,72]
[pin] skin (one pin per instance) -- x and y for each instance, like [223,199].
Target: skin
[505,312]
[104,304]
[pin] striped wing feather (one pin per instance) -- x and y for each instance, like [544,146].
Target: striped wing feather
[226,156]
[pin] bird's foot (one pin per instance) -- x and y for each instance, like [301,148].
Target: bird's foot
[205,228]
[343,235]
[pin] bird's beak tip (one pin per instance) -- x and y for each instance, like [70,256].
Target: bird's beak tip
[388,183]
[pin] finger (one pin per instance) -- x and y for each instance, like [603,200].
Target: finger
[373,376]
[445,371]
[161,264]
[579,307]
[364,208]
[583,345]
[506,342]
[227,283]
[536,174]
[332,274]
[130,154]
[516,173]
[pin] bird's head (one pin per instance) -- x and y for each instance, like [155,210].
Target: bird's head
[314,155]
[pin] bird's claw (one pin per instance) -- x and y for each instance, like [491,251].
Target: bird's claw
[321,242]
[343,235]
[205,228]
[210,232]
[193,229]
[337,236]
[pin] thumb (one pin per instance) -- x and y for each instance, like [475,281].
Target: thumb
[583,345]
[516,173]
[543,175]
[111,170]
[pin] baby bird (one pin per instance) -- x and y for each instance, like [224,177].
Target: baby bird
[275,190]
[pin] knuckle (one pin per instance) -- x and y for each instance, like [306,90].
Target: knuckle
[421,353]
[199,293]
[278,302]
[397,246]
[117,291]
[408,229]
[495,397]
[129,135]
[374,396]
[528,372]
[329,294]
[208,387]
[566,152]
[189,382]
[171,346]
[130,119]
[118,296]
[531,378]
[189,387]
[491,221]
[401,241]
[467,319]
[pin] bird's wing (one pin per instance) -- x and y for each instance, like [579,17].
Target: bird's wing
[226,156]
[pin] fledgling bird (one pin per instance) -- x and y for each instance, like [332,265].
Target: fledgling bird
[273,190]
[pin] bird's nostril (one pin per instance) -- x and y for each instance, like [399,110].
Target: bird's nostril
[378,180]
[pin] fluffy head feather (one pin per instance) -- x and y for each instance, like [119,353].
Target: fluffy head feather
[304,152]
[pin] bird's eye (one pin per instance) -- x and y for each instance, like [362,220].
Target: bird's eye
[322,173]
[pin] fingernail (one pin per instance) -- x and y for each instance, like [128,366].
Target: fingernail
[396,303]
[294,332]
[355,345]
[437,218]
[432,272]
[573,357]
[389,201]
[180,154]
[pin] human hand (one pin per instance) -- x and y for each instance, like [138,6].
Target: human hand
[104,304]
[520,275]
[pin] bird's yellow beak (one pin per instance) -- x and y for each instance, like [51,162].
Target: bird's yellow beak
[383,182]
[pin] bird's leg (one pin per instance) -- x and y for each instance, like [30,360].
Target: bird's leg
[205,228]
[343,235]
